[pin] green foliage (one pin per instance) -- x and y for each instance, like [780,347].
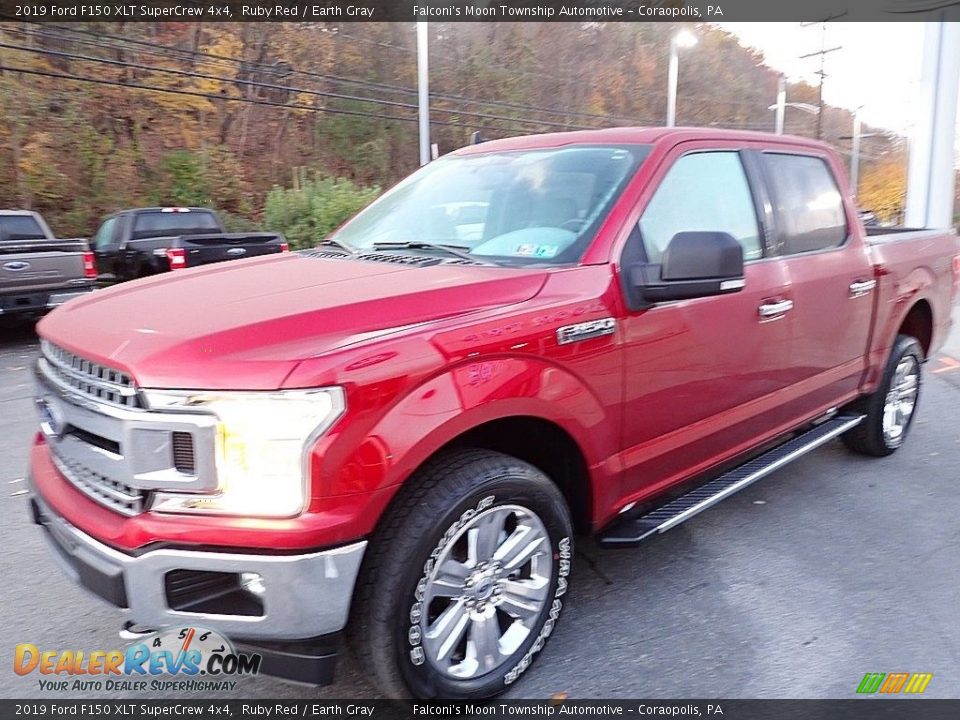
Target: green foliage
[180,181]
[238,223]
[314,207]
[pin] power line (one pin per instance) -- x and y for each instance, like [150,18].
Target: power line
[211,96]
[293,89]
[154,49]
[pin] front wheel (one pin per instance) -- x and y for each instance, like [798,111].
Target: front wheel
[892,406]
[464,582]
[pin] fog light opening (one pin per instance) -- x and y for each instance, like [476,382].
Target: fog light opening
[253,583]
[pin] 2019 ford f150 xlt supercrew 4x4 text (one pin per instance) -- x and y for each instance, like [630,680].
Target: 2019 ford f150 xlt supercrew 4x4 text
[394,437]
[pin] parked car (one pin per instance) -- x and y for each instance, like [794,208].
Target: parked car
[38,272]
[147,241]
[392,439]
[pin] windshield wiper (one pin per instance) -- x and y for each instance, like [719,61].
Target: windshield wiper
[337,243]
[460,251]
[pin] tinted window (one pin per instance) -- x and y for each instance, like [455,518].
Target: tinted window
[529,206]
[104,234]
[807,203]
[160,224]
[20,227]
[702,191]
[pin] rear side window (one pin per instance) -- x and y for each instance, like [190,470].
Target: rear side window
[702,191]
[160,224]
[807,203]
[20,227]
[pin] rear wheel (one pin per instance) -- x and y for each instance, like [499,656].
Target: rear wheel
[462,585]
[891,408]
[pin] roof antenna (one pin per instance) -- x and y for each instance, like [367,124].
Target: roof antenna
[476,138]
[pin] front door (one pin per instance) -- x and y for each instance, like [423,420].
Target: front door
[702,377]
[104,246]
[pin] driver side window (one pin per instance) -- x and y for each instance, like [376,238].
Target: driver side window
[104,235]
[702,191]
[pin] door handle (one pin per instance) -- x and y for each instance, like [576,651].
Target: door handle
[861,287]
[769,310]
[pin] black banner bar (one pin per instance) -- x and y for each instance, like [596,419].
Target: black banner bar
[476,10]
[873,708]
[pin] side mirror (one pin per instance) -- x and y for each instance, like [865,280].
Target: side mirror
[694,265]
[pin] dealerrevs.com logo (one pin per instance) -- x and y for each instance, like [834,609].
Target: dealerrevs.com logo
[175,659]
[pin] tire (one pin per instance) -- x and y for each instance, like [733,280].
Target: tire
[885,428]
[448,517]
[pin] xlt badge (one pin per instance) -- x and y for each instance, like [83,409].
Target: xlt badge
[585,330]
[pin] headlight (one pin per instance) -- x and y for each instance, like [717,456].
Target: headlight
[261,446]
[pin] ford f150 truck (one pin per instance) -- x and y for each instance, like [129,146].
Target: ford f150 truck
[38,272]
[146,241]
[392,439]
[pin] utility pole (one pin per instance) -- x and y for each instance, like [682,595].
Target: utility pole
[822,54]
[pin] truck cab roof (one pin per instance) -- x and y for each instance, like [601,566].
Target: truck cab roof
[638,136]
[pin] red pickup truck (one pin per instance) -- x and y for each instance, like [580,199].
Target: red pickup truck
[392,439]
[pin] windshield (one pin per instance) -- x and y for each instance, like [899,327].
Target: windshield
[519,207]
[160,224]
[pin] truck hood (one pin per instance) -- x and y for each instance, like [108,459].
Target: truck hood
[246,324]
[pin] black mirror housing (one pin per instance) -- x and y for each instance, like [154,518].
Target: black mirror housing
[694,265]
[702,256]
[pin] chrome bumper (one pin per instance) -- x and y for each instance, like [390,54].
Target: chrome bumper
[304,596]
[61,298]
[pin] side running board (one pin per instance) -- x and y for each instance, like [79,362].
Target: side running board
[633,531]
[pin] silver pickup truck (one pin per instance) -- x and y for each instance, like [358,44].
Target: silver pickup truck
[38,272]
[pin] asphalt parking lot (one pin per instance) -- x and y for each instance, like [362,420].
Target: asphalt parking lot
[833,567]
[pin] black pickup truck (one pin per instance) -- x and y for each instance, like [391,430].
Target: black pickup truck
[145,241]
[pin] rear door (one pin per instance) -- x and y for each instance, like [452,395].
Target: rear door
[702,376]
[831,275]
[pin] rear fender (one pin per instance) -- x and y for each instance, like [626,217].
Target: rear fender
[896,302]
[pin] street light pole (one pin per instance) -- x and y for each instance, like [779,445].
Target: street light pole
[672,74]
[423,93]
[781,109]
[681,39]
[781,103]
[855,155]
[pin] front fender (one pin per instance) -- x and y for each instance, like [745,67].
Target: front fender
[447,405]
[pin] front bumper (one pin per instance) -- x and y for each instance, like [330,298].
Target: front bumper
[305,599]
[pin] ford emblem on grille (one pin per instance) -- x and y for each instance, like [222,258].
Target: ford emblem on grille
[237,251]
[16,266]
[51,421]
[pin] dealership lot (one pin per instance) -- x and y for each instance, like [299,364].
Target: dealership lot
[835,566]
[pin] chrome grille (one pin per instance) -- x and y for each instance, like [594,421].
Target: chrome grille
[116,495]
[105,384]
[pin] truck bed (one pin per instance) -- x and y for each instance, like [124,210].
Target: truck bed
[213,247]
[36,275]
